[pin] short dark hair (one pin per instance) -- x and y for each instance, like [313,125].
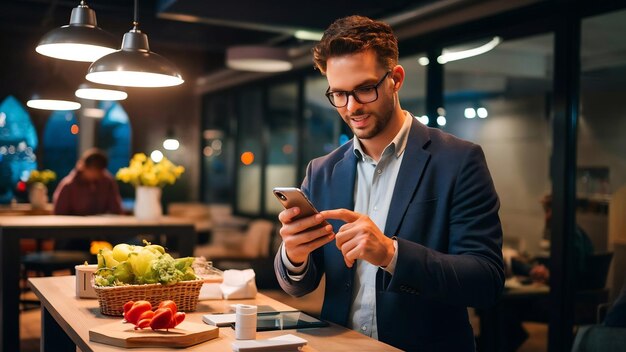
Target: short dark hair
[355,34]
[94,159]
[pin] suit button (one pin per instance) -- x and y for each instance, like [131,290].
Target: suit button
[348,286]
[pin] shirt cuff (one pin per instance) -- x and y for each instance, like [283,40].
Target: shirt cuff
[295,273]
[391,268]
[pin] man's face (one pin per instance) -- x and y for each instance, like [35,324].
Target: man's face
[91,173]
[345,73]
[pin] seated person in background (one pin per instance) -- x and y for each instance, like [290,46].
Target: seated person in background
[616,316]
[89,189]
[582,246]
[513,314]
[519,265]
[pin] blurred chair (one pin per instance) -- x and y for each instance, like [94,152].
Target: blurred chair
[252,248]
[608,334]
[199,213]
[231,244]
[591,288]
[45,263]
[599,338]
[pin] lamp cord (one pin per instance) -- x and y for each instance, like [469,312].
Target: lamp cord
[135,21]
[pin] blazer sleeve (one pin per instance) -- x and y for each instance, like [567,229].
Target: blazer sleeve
[471,273]
[314,272]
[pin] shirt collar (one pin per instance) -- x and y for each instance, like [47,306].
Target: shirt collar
[397,145]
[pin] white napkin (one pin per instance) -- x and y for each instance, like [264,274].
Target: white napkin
[238,284]
[210,291]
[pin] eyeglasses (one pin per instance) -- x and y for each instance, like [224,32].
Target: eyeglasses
[363,95]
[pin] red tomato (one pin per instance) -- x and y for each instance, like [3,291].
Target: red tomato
[177,319]
[169,304]
[143,323]
[162,319]
[139,307]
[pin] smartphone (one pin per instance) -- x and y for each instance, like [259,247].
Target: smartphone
[291,197]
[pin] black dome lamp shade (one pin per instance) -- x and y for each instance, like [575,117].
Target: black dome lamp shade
[134,65]
[81,40]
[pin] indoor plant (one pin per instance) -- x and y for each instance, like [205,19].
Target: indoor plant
[37,187]
[149,177]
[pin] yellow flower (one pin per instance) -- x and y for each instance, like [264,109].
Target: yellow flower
[143,171]
[43,176]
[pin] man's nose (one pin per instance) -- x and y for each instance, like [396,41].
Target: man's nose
[353,104]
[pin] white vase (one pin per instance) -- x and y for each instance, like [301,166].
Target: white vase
[38,195]
[148,203]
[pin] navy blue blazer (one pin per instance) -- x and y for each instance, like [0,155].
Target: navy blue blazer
[444,213]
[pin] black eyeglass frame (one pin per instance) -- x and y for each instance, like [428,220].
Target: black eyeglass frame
[354,93]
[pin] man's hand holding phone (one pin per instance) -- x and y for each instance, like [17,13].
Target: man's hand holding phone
[303,235]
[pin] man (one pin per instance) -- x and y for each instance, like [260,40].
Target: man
[413,210]
[89,189]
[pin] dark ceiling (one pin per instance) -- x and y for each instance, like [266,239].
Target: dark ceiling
[200,25]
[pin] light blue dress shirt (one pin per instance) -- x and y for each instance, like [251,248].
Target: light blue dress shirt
[375,182]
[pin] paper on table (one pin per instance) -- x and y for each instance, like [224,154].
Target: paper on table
[219,319]
[288,342]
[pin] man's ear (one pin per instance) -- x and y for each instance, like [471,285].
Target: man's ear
[397,75]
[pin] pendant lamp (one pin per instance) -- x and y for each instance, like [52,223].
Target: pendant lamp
[94,91]
[170,142]
[258,58]
[53,94]
[81,40]
[134,65]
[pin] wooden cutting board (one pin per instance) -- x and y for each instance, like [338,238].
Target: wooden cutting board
[124,335]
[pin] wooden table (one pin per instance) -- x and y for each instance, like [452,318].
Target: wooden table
[66,321]
[14,228]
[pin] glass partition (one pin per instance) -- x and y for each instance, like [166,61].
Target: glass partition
[249,107]
[218,148]
[501,100]
[282,129]
[413,92]
[323,129]
[505,108]
[601,161]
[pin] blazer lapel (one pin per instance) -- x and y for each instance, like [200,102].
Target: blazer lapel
[413,165]
[343,178]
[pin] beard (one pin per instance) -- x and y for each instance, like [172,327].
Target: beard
[381,119]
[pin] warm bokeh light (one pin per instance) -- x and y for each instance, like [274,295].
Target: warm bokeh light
[287,149]
[74,129]
[470,113]
[247,158]
[156,156]
[171,144]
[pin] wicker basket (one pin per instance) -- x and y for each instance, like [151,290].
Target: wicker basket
[184,293]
